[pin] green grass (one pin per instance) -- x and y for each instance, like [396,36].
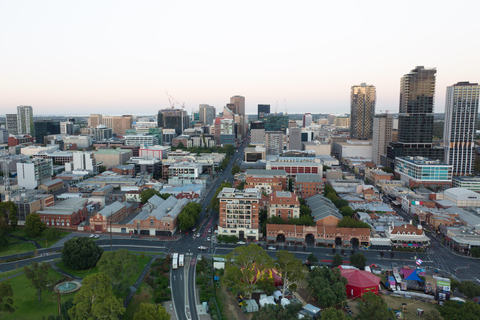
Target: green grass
[25,299]
[142,262]
[77,273]
[144,294]
[10,273]
[17,248]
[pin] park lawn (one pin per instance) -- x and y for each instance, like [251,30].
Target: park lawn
[26,300]
[142,262]
[10,273]
[144,294]
[20,232]
[395,303]
[77,273]
[17,248]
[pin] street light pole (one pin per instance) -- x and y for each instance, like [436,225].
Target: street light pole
[110,219]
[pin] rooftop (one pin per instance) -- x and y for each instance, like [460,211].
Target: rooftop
[422,161]
[308,177]
[256,172]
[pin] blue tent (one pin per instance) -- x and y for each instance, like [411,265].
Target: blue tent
[412,276]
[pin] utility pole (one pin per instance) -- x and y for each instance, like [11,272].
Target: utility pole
[110,220]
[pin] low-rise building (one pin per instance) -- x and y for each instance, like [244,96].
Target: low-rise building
[158,217]
[324,212]
[283,204]
[65,214]
[31,203]
[254,154]
[239,213]
[306,185]
[470,183]
[51,186]
[353,148]
[159,152]
[125,170]
[266,180]
[109,215]
[292,168]
[419,171]
[112,157]
[376,175]
[407,235]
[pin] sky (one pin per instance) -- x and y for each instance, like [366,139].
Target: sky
[121,57]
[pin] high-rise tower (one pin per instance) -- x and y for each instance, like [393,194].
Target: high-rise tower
[25,120]
[461,109]
[415,120]
[362,110]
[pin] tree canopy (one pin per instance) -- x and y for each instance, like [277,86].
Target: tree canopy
[452,310]
[277,312]
[34,227]
[337,260]
[96,300]
[372,306]
[214,202]
[9,210]
[81,253]
[469,289]
[151,312]
[242,266]
[327,286]
[145,195]
[119,266]
[189,215]
[290,269]
[333,314]
[358,260]
[6,295]
[235,169]
[38,276]
[349,222]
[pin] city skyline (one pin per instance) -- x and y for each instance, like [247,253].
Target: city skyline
[120,58]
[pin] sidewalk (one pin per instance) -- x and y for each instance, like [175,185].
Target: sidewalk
[139,281]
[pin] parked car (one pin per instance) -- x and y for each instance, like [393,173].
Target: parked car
[272,248]
[97,236]
[241,242]
[208,238]
[92,236]
[202,248]
[194,229]
[198,235]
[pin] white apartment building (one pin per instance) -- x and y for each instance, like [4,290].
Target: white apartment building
[33,172]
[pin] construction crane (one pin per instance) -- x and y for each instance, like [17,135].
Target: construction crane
[386,111]
[172,101]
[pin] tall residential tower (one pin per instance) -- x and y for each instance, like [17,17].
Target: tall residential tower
[415,120]
[461,109]
[25,120]
[362,110]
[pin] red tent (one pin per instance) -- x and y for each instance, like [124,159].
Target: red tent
[360,282]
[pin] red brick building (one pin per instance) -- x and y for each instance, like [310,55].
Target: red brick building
[113,213]
[318,235]
[306,185]
[51,186]
[283,204]
[124,170]
[16,140]
[66,214]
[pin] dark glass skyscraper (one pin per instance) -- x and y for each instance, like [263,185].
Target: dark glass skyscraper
[44,128]
[415,120]
[262,110]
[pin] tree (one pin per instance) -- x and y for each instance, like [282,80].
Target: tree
[151,312]
[38,276]
[145,195]
[34,227]
[327,286]
[347,211]
[388,169]
[333,314]
[189,215]
[266,284]
[243,265]
[6,301]
[475,252]
[51,234]
[328,189]
[454,284]
[214,202]
[235,169]
[102,169]
[81,253]
[277,312]
[349,222]
[469,289]
[290,269]
[305,210]
[96,300]
[432,315]
[452,310]
[180,145]
[9,210]
[358,260]
[332,196]
[337,260]
[372,306]
[312,259]
[119,266]
[341,203]
[3,240]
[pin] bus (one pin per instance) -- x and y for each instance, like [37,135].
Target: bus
[180,260]
[174,261]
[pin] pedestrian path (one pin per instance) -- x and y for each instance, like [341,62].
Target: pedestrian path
[134,288]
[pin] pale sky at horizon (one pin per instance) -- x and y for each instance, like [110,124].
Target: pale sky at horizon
[119,57]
